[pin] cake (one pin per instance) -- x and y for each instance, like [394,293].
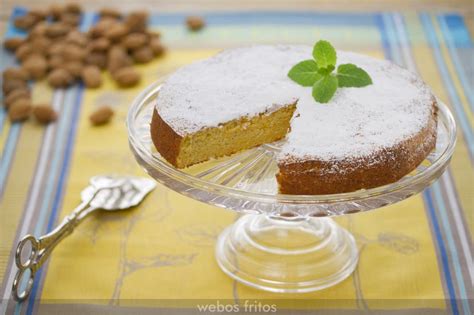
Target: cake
[241,98]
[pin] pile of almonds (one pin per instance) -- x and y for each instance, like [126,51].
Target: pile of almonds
[57,51]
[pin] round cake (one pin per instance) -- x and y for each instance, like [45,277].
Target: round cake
[241,98]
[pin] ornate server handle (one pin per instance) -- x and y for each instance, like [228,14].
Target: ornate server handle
[41,248]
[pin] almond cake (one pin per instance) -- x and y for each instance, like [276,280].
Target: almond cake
[241,98]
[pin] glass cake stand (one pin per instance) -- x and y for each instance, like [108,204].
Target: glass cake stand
[281,243]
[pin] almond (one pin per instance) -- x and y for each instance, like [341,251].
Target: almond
[15,74]
[106,21]
[127,77]
[101,115]
[23,51]
[143,54]
[55,61]
[77,38]
[40,44]
[56,49]
[73,7]
[25,22]
[55,11]
[10,85]
[74,68]
[70,19]
[74,52]
[154,34]
[135,40]
[91,76]
[116,32]
[38,30]
[157,47]
[117,58]
[60,78]
[195,23]
[57,29]
[96,59]
[20,110]
[44,114]
[101,27]
[13,43]
[36,66]
[39,14]
[99,44]
[110,12]
[137,21]
[16,95]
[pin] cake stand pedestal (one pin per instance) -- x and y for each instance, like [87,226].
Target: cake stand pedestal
[281,243]
[281,255]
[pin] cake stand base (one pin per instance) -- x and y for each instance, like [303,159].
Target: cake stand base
[286,256]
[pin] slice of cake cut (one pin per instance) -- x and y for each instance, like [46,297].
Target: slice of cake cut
[241,98]
[183,150]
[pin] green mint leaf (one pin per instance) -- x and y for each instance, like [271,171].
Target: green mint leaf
[324,88]
[324,54]
[349,75]
[327,70]
[305,73]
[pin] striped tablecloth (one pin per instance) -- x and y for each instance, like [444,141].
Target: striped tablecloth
[416,255]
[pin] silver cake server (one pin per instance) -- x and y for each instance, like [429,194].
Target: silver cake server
[105,192]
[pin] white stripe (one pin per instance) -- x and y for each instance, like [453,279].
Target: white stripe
[445,179]
[33,200]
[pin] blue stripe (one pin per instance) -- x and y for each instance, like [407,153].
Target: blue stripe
[7,154]
[384,37]
[454,40]
[455,23]
[270,17]
[447,80]
[442,250]
[392,38]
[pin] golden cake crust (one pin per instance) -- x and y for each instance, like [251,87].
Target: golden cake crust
[386,166]
[165,139]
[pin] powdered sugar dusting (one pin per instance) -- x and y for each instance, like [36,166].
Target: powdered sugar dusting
[234,83]
[249,81]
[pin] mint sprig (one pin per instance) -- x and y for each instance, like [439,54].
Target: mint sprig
[305,73]
[318,73]
[324,88]
[349,75]
[324,54]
